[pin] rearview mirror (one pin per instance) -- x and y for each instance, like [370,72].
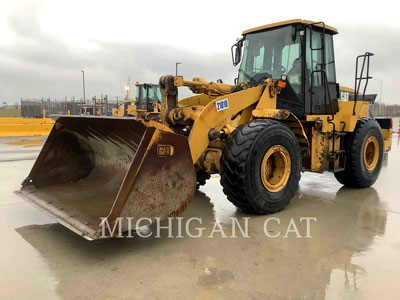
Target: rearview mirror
[236,51]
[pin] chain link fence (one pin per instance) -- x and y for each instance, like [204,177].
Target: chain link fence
[37,108]
[383,110]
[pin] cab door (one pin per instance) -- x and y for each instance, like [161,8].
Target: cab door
[321,94]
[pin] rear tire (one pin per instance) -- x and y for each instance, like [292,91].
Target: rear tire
[260,166]
[364,153]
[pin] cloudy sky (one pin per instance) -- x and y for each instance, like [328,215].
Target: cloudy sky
[44,45]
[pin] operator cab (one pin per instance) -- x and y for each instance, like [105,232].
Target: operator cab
[300,49]
[146,95]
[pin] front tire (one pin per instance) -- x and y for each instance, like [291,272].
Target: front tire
[364,153]
[260,166]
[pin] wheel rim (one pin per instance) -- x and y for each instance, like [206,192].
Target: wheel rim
[371,153]
[275,168]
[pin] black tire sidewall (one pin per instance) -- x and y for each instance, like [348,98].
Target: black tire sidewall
[276,134]
[368,176]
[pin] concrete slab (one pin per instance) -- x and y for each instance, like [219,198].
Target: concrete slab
[20,148]
[353,252]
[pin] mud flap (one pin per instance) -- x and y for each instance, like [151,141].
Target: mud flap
[94,168]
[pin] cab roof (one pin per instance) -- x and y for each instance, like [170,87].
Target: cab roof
[330,29]
[144,83]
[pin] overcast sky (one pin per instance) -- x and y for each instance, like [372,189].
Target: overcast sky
[44,45]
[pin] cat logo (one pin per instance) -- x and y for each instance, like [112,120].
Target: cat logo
[165,150]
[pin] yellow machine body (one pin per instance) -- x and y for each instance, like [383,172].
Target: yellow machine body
[257,103]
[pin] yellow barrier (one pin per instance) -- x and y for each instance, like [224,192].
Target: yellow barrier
[25,127]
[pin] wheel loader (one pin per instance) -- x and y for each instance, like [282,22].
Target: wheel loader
[146,104]
[282,116]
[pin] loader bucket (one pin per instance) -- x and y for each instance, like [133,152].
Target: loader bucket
[108,167]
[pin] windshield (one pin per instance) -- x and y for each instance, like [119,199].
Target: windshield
[154,94]
[271,54]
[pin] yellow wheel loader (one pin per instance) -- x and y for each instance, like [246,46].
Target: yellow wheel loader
[146,104]
[282,116]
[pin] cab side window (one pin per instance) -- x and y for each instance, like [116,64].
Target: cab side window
[314,58]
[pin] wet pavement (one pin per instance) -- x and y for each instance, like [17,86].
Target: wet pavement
[20,148]
[353,251]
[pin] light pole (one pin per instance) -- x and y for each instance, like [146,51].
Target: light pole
[380,96]
[176,68]
[83,81]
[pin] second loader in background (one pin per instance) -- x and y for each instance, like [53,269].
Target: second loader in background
[146,105]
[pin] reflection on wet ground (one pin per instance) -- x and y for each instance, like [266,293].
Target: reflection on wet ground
[354,252]
[20,148]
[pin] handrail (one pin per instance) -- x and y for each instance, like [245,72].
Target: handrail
[358,80]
